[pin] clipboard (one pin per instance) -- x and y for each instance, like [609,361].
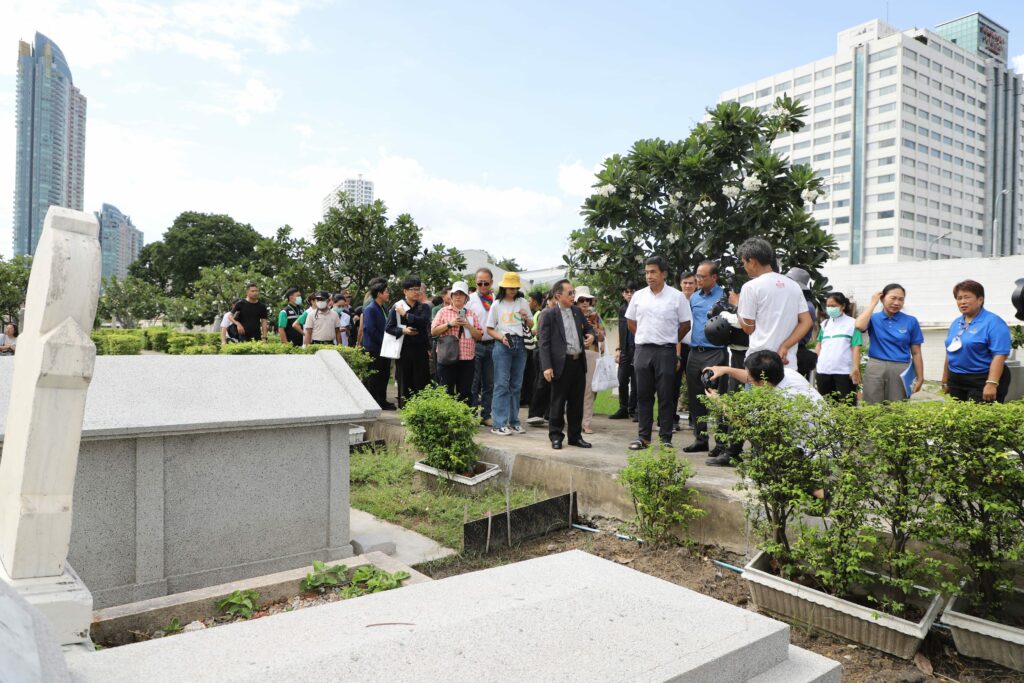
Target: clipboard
[909,376]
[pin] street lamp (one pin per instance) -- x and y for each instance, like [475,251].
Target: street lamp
[995,222]
[933,242]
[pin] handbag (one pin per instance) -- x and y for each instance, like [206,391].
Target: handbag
[447,349]
[391,347]
[606,373]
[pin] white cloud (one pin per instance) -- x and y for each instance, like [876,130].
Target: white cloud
[255,98]
[576,180]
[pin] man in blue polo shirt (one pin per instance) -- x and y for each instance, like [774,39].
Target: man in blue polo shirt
[703,354]
[895,343]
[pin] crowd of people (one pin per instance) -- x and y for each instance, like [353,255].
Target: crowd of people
[497,349]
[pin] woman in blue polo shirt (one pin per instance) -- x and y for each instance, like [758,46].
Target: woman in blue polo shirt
[895,343]
[976,349]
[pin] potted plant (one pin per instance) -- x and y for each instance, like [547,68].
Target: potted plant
[978,452]
[808,461]
[442,428]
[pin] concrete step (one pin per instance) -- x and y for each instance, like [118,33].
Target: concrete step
[802,666]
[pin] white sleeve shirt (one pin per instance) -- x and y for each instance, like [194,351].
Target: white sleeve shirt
[658,316]
[773,303]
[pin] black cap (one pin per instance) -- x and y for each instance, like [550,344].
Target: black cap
[322,294]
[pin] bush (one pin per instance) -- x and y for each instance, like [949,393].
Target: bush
[157,338]
[656,481]
[122,344]
[258,348]
[442,428]
[177,342]
[201,350]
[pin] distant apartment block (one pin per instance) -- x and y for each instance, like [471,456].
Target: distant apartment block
[120,241]
[50,146]
[918,134]
[358,190]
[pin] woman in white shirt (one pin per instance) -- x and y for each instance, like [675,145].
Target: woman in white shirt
[507,322]
[9,340]
[838,348]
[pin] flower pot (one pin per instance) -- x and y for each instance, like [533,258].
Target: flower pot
[848,620]
[483,472]
[984,639]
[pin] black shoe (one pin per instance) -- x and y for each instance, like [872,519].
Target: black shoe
[696,447]
[579,443]
[676,427]
[634,418]
[556,444]
[716,451]
[723,460]
[618,415]
[388,405]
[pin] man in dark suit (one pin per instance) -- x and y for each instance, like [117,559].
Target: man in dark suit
[564,334]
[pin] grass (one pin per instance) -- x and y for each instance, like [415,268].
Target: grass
[382,484]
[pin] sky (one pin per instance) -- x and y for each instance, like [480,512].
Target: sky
[483,120]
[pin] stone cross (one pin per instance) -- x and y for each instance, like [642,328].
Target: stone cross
[52,370]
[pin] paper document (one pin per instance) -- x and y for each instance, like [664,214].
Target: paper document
[909,376]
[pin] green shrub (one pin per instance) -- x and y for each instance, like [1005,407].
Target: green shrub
[177,342]
[122,344]
[201,350]
[240,603]
[323,577]
[656,481]
[157,337]
[442,427]
[258,348]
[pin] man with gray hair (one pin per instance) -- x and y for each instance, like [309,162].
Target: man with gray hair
[771,307]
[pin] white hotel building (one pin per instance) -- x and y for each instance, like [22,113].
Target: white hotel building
[918,134]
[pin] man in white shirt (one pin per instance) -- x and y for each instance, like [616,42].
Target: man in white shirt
[771,307]
[659,317]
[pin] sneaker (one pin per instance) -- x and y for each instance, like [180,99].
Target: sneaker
[518,429]
[501,431]
[535,420]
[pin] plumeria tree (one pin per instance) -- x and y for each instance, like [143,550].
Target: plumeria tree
[700,198]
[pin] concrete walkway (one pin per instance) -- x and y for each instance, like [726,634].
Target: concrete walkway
[411,548]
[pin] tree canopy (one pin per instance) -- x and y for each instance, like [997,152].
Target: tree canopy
[13,285]
[700,198]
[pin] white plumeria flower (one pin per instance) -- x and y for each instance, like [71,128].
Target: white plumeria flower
[672,237]
[673,202]
[731,191]
[752,183]
[679,194]
[336,251]
[605,190]
[809,195]
[775,111]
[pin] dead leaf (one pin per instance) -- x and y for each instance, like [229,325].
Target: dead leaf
[923,664]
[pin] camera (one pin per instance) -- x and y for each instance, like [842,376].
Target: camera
[706,379]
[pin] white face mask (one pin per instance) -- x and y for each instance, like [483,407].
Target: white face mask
[834,311]
[321,305]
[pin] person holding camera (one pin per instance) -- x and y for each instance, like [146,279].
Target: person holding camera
[703,352]
[507,320]
[454,320]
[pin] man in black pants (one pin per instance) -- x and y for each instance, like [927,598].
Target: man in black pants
[722,455]
[703,353]
[564,334]
[659,317]
[624,357]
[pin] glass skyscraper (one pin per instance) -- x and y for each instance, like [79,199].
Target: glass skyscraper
[50,147]
[120,241]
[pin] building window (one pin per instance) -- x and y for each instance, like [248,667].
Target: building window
[802,80]
[782,87]
[882,54]
[764,92]
[824,90]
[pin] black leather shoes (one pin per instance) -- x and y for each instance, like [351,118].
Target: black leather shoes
[556,444]
[697,447]
[723,460]
[618,415]
[579,443]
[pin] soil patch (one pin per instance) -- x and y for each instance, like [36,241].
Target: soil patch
[694,569]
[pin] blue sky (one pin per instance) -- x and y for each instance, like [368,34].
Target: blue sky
[483,120]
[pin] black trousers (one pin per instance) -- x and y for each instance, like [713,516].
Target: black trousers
[412,372]
[377,382]
[736,358]
[968,386]
[655,374]
[684,355]
[627,385]
[529,377]
[541,397]
[841,387]
[566,410]
[700,358]
[457,378]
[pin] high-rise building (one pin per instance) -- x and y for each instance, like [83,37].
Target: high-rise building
[120,241]
[918,135]
[50,148]
[359,191]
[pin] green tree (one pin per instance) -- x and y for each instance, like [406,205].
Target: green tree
[194,241]
[13,284]
[285,259]
[700,198]
[439,266]
[129,300]
[211,295]
[508,264]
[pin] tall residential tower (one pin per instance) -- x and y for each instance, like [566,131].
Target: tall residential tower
[120,240]
[918,134]
[359,191]
[50,148]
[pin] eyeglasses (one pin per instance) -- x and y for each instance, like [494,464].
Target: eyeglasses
[483,283]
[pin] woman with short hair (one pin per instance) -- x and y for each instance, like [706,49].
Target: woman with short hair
[895,344]
[838,350]
[455,320]
[9,340]
[977,345]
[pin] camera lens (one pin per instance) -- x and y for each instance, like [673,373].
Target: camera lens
[705,378]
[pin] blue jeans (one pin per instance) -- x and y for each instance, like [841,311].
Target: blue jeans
[483,379]
[509,364]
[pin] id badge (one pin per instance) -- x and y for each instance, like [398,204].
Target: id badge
[954,345]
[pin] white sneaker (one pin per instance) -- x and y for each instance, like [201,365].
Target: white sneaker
[501,431]
[535,420]
[518,429]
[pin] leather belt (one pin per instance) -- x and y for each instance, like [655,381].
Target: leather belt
[574,356]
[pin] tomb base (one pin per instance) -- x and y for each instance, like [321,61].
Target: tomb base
[63,600]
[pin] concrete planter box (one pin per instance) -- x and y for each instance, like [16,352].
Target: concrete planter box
[483,472]
[857,623]
[984,639]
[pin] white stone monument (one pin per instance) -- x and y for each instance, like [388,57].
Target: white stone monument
[52,371]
